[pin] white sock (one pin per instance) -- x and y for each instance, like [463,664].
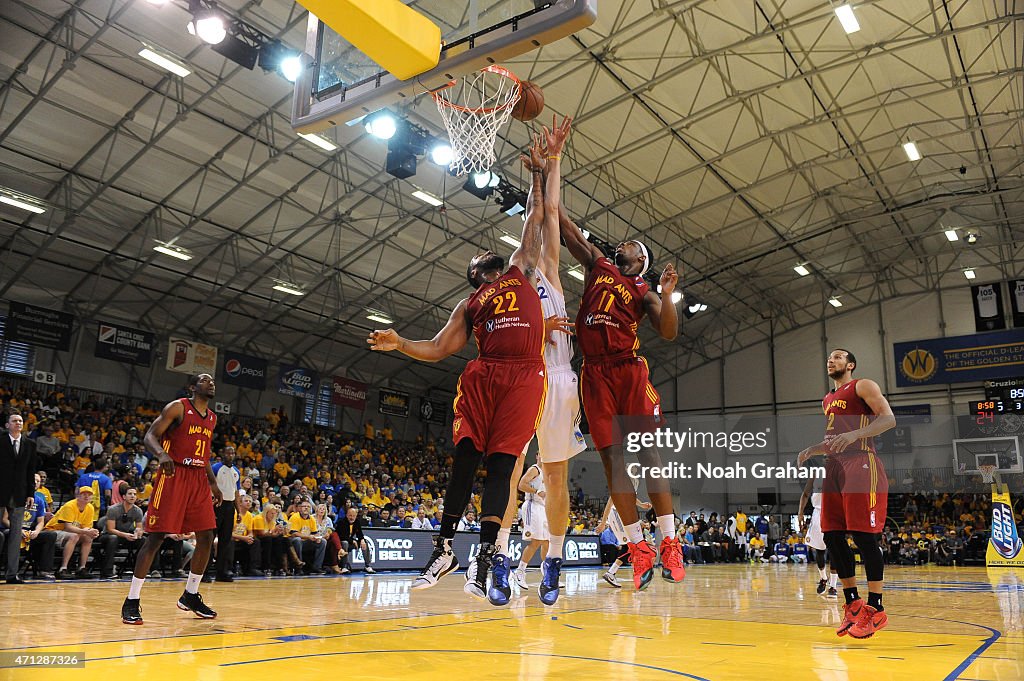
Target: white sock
[503,535]
[833,579]
[824,575]
[555,546]
[522,566]
[135,590]
[634,533]
[615,567]
[667,525]
[192,583]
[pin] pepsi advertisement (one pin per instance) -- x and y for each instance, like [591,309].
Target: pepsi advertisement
[296,381]
[244,371]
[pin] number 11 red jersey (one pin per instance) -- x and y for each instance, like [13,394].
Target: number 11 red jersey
[610,311]
[188,443]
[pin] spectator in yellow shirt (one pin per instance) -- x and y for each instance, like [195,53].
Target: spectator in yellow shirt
[368,430]
[81,463]
[757,549]
[305,540]
[248,546]
[73,524]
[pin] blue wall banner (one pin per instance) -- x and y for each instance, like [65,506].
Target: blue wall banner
[124,344]
[960,359]
[296,381]
[243,370]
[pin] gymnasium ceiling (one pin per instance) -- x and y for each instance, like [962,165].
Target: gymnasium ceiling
[739,138]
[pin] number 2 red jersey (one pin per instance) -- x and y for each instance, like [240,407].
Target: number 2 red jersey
[507,319]
[845,411]
[188,443]
[610,312]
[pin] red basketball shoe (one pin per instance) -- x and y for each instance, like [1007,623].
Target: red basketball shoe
[671,560]
[868,623]
[641,557]
[853,611]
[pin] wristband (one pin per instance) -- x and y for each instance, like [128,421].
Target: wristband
[554,158]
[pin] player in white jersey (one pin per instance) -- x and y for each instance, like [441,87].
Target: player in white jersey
[611,519]
[534,519]
[813,535]
[558,436]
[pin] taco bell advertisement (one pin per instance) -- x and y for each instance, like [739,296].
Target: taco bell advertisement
[244,371]
[296,381]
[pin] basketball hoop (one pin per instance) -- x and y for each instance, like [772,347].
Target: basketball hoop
[987,473]
[474,109]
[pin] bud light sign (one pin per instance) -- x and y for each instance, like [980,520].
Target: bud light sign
[1004,533]
[296,381]
[243,370]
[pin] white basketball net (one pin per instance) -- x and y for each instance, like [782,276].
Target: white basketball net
[987,473]
[473,110]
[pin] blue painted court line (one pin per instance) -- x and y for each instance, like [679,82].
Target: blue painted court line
[674,672]
[296,637]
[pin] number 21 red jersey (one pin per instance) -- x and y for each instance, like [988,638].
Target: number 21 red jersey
[188,444]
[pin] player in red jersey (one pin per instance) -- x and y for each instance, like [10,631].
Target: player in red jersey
[500,393]
[616,382]
[855,489]
[184,493]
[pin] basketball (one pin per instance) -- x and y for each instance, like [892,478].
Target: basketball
[530,104]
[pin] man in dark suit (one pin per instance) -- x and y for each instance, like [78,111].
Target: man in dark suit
[17,484]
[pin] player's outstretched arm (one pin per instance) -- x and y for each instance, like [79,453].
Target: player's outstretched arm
[527,256]
[662,310]
[585,252]
[554,141]
[447,342]
[170,416]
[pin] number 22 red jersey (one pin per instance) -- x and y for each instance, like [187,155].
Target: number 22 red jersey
[846,411]
[188,443]
[507,318]
[610,312]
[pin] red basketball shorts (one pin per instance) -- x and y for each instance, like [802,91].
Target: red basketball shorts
[618,388]
[498,404]
[854,493]
[181,503]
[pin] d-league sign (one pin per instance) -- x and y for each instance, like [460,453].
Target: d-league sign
[399,549]
[958,359]
[39,326]
[348,393]
[393,403]
[243,370]
[124,344]
[189,357]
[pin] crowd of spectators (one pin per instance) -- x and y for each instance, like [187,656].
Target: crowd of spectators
[306,491]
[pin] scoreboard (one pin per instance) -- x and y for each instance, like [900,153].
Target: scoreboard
[1001,397]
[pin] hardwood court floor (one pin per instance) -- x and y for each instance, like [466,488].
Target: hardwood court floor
[723,622]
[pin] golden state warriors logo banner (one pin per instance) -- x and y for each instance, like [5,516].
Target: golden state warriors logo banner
[959,359]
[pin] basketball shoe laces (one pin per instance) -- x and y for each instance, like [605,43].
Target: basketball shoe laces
[641,557]
[671,553]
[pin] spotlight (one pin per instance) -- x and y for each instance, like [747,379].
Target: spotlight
[381,124]
[276,56]
[208,26]
[972,237]
[486,179]
[441,153]
[291,68]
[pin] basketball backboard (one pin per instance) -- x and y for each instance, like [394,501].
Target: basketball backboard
[1001,452]
[341,84]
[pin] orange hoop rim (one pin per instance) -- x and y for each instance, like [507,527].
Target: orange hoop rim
[493,68]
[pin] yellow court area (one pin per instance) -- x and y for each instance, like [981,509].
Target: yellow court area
[723,622]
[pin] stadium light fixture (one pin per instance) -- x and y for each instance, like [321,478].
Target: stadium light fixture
[911,150]
[802,270]
[288,287]
[20,202]
[319,141]
[379,317]
[427,198]
[847,19]
[173,251]
[835,302]
[163,60]
[969,273]
[951,235]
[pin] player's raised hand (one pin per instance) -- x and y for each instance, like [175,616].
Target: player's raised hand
[535,160]
[669,279]
[554,324]
[384,341]
[554,139]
